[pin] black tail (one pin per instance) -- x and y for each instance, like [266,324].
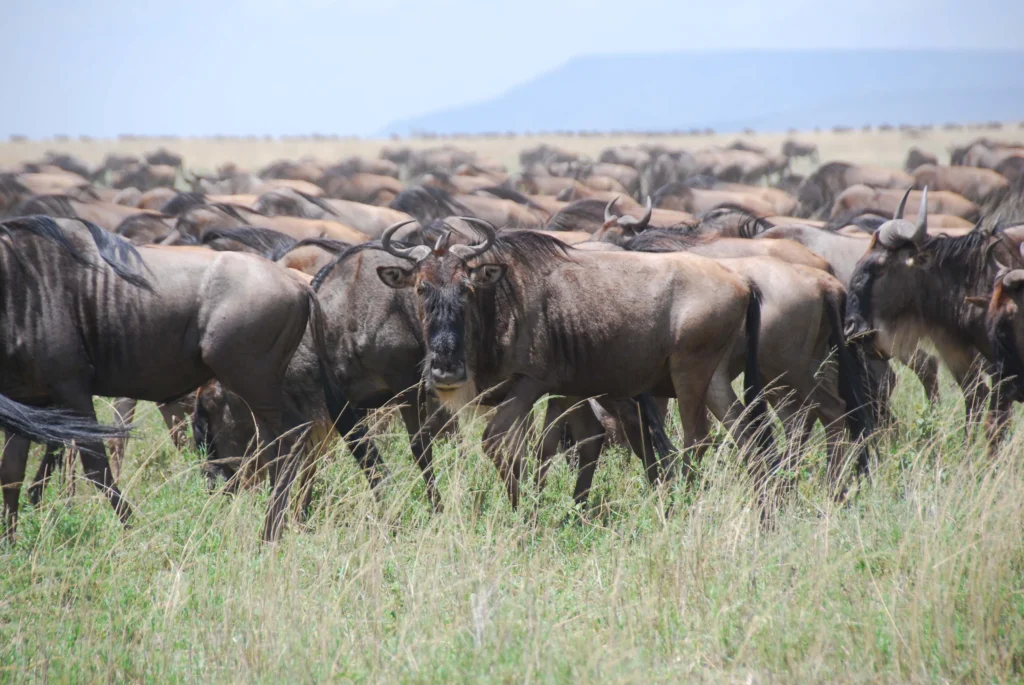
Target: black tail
[852,379]
[753,388]
[52,425]
[654,426]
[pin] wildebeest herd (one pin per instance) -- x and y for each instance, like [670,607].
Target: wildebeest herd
[274,309]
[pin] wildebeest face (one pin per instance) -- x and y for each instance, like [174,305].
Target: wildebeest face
[889,278]
[444,284]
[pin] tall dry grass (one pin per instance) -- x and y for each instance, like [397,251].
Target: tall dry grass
[919,578]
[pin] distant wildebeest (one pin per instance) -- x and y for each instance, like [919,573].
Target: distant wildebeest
[681,197]
[859,198]
[369,219]
[147,323]
[104,214]
[818,192]
[794,149]
[917,158]
[974,183]
[197,220]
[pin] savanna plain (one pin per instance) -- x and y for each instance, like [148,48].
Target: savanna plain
[917,577]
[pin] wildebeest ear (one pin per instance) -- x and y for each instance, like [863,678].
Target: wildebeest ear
[395,276]
[487,275]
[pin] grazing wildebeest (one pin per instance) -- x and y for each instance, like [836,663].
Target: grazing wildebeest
[683,198]
[794,149]
[974,183]
[541,318]
[818,192]
[917,158]
[911,287]
[104,318]
[858,198]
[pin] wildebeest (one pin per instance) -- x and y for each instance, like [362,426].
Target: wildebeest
[103,214]
[912,287]
[917,158]
[818,192]
[96,316]
[794,149]
[801,326]
[974,183]
[860,198]
[581,339]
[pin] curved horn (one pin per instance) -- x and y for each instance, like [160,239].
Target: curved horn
[608,216]
[467,252]
[902,205]
[442,241]
[921,230]
[1014,279]
[646,218]
[385,241]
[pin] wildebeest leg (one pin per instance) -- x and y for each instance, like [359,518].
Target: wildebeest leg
[12,473]
[628,415]
[588,433]
[555,421]
[51,460]
[124,414]
[504,435]
[926,368]
[283,468]
[691,383]
[94,457]
[998,420]
[421,440]
[175,415]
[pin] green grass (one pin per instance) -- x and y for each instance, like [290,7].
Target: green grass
[919,578]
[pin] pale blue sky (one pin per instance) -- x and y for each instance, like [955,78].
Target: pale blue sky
[193,67]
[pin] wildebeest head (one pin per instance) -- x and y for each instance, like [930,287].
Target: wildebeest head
[618,229]
[1005,328]
[444,282]
[894,268]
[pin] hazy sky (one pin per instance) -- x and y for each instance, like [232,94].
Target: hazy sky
[192,67]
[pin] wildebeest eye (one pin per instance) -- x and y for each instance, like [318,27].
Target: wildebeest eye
[421,288]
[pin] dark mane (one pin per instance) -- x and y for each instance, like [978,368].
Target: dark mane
[426,203]
[818,192]
[533,254]
[966,269]
[513,195]
[51,205]
[182,202]
[142,220]
[118,253]
[262,241]
[865,219]
[751,225]
[1006,357]
[667,240]
[581,215]
[673,189]
[329,267]
[328,244]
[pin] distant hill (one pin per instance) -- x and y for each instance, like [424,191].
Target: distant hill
[767,91]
